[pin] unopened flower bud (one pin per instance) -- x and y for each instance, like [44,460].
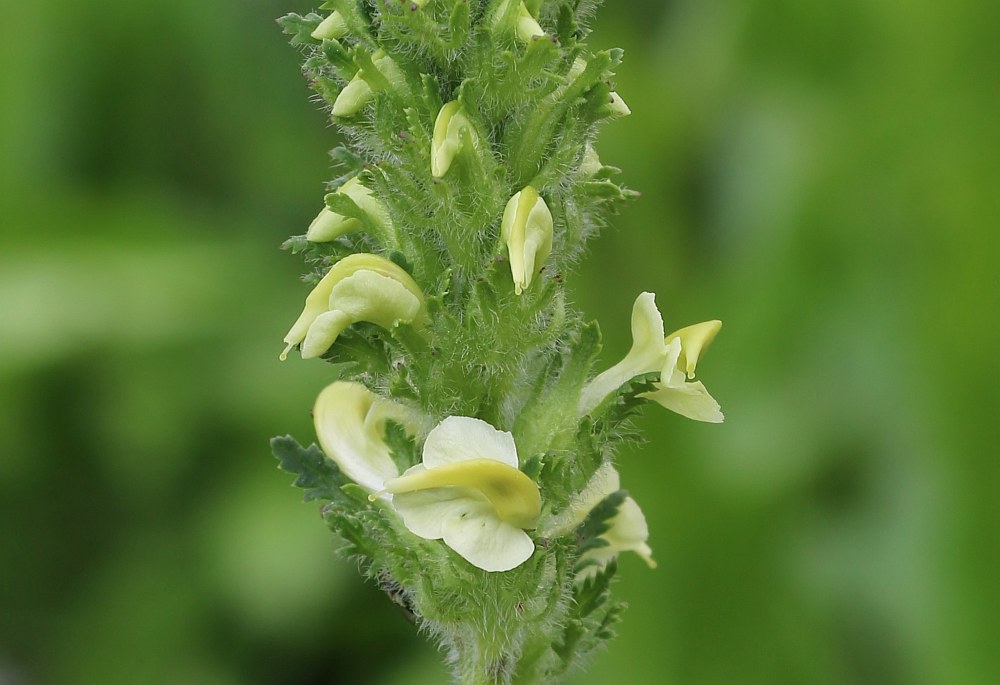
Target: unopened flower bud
[591,163]
[526,227]
[506,18]
[358,92]
[333,27]
[329,224]
[618,105]
[360,287]
[526,27]
[449,128]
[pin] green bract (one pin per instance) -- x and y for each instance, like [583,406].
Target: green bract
[466,449]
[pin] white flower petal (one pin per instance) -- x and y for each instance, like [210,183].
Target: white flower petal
[460,438]
[688,399]
[340,417]
[487,542]
[629,531]
[424,512]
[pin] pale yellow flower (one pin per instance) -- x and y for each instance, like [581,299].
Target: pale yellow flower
[469,493]
[627,530]
[674,356]
[360,287]
[358,92]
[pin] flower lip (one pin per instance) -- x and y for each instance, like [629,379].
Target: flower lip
[512,494]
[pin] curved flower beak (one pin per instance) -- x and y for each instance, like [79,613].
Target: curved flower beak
[469,492]
[513,496]
[360,287]
[449,127]
[350,424]
[694,339]
[526,227]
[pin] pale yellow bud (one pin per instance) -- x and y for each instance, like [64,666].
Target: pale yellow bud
[526,27]
[333,27]
[506,18]
[618,105]
[358,92]
[591,163]
[449,127]
[526,227]
[329,224]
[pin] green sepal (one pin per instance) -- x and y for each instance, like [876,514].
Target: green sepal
[355,492]
[402,447]
[549,419]
[337,55]
[598,522]
[591,618]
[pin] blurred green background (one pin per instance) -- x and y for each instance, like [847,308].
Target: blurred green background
[824,177]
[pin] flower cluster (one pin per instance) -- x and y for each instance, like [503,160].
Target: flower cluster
[469,438]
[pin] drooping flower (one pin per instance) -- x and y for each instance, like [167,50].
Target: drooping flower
[469,493]
[526,227]
[627,530]
[329,224]
[450,128]
[360,287]
[350,425]
[674,356]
